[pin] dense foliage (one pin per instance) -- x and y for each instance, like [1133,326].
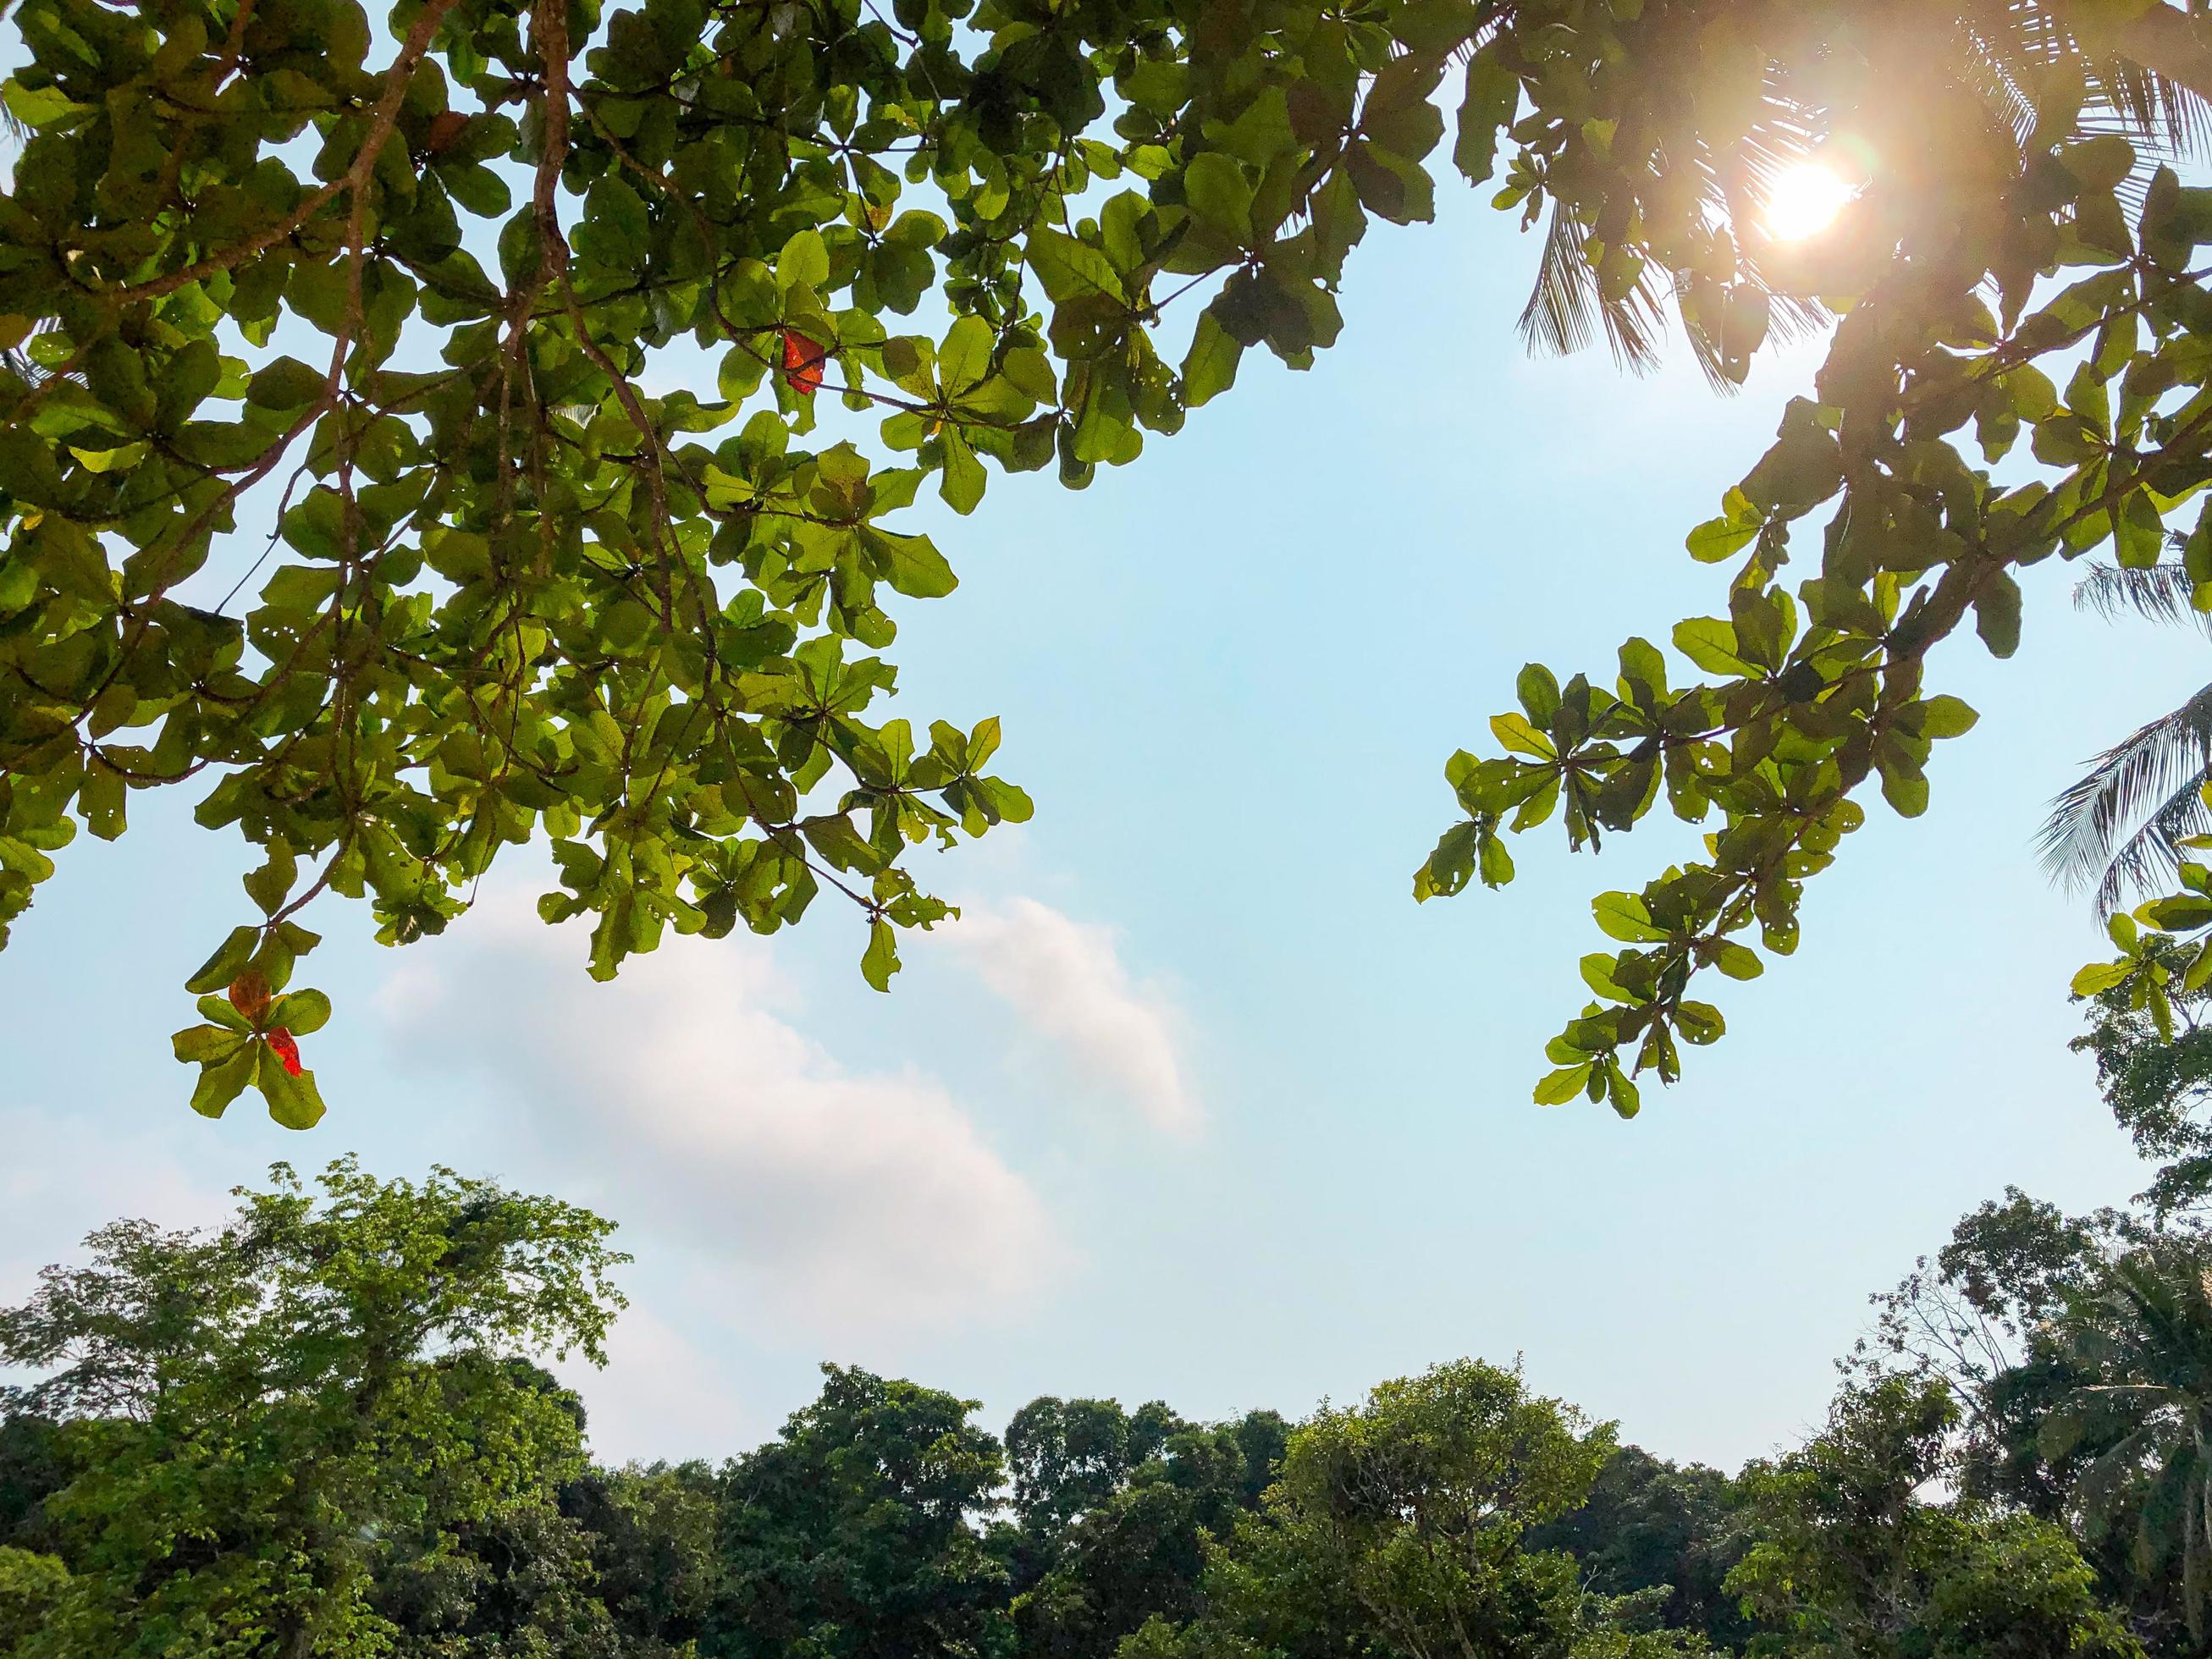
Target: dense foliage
[1852,1557]
[417,289]
[409,300]
[305,1428]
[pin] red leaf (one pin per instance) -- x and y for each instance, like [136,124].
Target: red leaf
[286,1049]
[802,363]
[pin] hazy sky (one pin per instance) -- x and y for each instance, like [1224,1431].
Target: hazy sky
[1195,1103]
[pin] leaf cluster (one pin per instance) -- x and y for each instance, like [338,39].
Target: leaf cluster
[2005,245]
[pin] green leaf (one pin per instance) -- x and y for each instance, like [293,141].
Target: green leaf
[101,798]
[197,1045]
[285,384]
[1221,197]
[1514,730]
[832,835]
[1627,1100]
[1398,114]
[2184,914]
[1738,961]
[316,527]
[1712,644]
[1699,1023]
[2101,162]
[1597,969]
[805,262]
[911,564]
[219,1084]
[219,1011]
[1210,368]
[301,1012]
[880,960]
[1558,1088]
[40,106]
[617,231]
[2139,535]
[1946,717]
[268,886]
[1538,688]
[1905,787]
[1449,868]
[1717,539]
[293,1102]
[965,357]
[1493,863]
[2200,970]
[1070,270]
[1493,94]
[228,961]
[1736,528]
[2100,976]
[1622,916]
[1996,615]
[963,483]
[1803,469]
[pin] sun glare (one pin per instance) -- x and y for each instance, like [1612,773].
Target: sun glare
[1805,202]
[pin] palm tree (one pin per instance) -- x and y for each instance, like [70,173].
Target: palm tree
[2142,1344]
[2121,826]
[2149,78]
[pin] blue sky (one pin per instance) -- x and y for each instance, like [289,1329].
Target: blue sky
[1196,1104]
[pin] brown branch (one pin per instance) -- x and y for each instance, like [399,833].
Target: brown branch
[548,33]
[234,46]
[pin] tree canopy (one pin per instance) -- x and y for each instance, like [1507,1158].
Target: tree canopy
[326,1429]
[1854,1560]
[296,1433]
[405,285]
[850,1536]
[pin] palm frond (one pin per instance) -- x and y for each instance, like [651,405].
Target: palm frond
[2157,593]
[2143,865]
[2146,861]
[2145,1338]
[2098,1486]
[2025,38]
[1557,318]
[2006,52]
[1565,310]
[2148,781]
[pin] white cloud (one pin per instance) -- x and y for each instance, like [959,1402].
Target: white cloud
[658,1397]
[77,1184]
[1065,980]
[677,1100]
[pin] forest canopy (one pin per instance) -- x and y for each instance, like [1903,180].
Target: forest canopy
[329,1428]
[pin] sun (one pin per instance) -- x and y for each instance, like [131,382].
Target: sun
[1804,201]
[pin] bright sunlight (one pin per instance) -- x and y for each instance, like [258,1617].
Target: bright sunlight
[1806,199]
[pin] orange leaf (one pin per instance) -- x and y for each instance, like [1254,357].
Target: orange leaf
[249,995]
[445,130]
[802,363]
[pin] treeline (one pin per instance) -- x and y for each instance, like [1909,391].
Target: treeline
[326,1430]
